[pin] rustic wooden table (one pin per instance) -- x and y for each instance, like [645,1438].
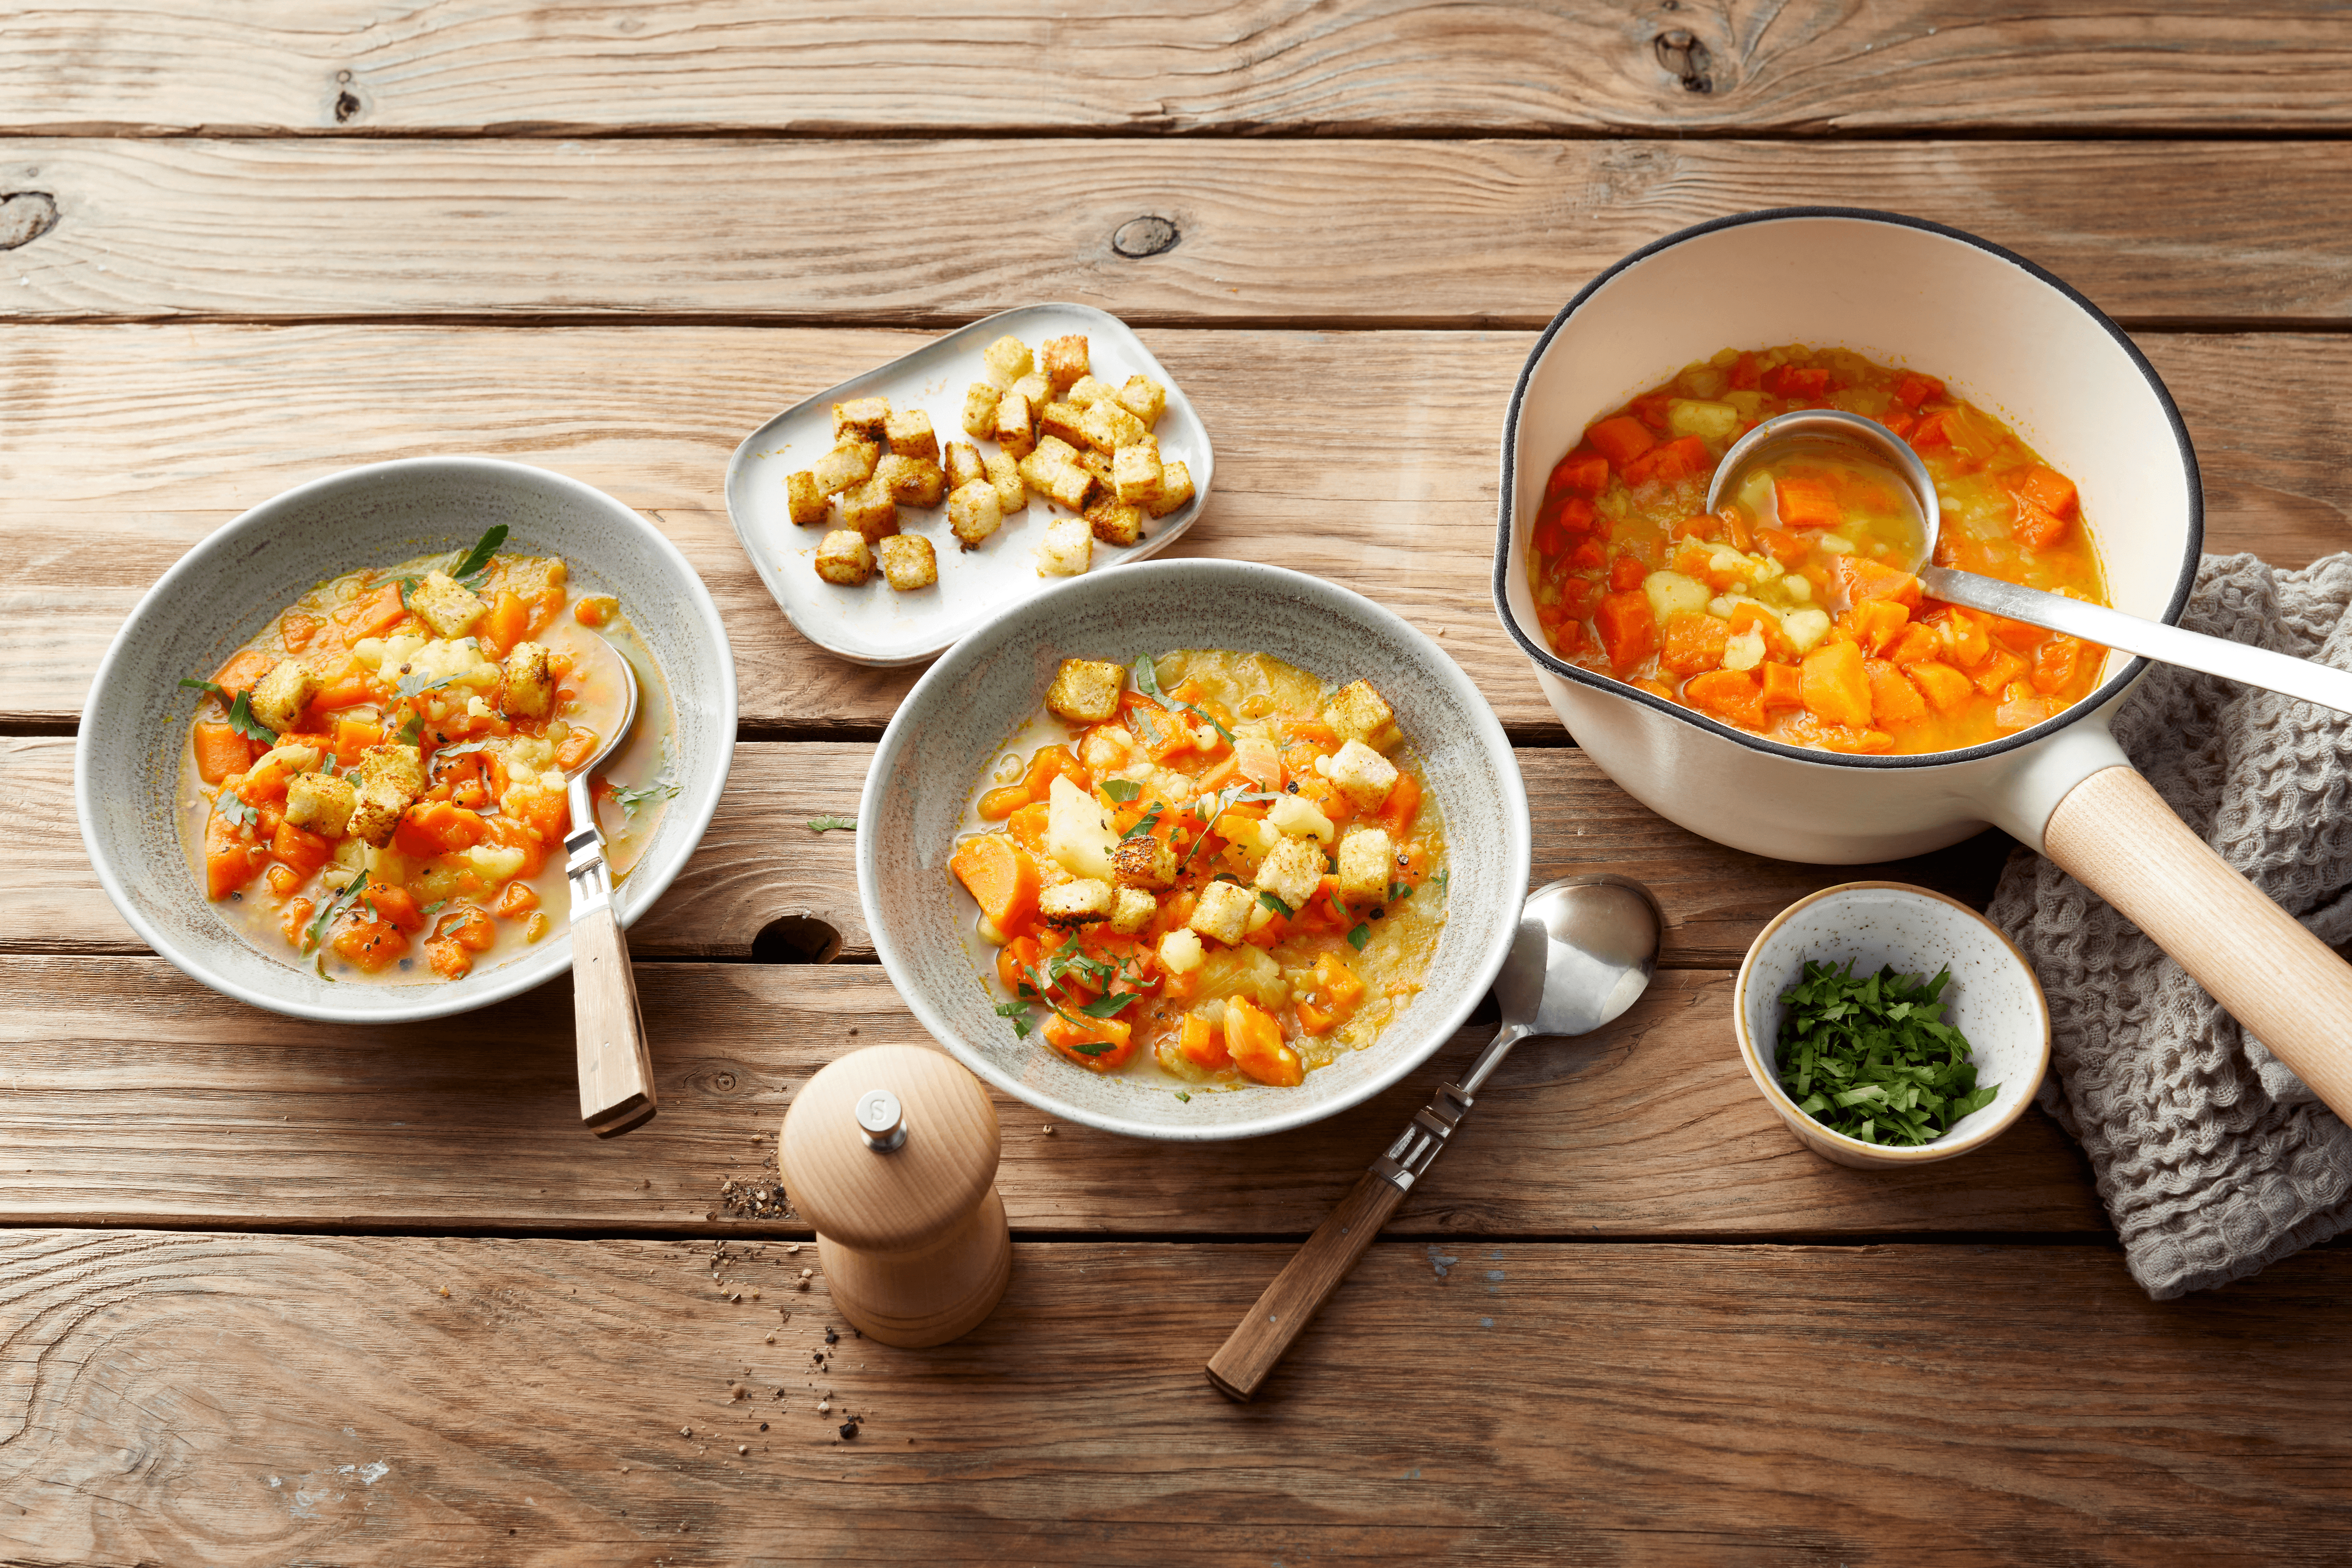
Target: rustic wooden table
[271,1291]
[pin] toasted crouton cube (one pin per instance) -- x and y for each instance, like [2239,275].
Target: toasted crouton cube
[1095,463]
[1291,871]
[979,410]
[974,511]
[1012,490]
[376,813]
[1113,521]
[868,419]
[1131,910]
[1066,361]
[321,803]
[399,768]
[1109,426]
[1016,429]
[1366,858]
[908,562]
[1362,774]
[1062,481]
[1357,711]
[1143,397]
[807,499]
[964,465]
[911,481]
[280,697]
[1222,914]
[447,605]
[1087,391]
[845,558]
[1036,389]
[909,432]
[1175,489]
[1063,420]
[530,691]
[1179,951]
[1077,903]
[1134,472]
[870,509]
[1052,449]
[1008,360]
[1085,691]
[1144,861]
[851,462]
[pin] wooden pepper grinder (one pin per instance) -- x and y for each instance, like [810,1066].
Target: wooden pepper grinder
[891,1153]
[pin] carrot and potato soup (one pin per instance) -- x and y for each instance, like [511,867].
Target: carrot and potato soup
[373,787]
[1790,611]
[1205,869]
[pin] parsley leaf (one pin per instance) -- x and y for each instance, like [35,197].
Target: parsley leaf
[410,729]
[1121,790]
[1018,1012]
[229,803]
[335,906]
[1147,680]
[823,824]
[1186,1096]
[479,556]
[194,685]
[1109,1005]
[1278,906]
[1872,1058]
[1359,936]
[662,786]
[1146,822]
[1399,891]
[240,711]
[418,685]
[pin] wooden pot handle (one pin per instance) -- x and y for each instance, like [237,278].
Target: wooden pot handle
[616,1073]
[2114,834]
[1304,1283]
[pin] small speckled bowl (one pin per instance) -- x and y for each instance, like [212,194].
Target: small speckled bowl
[1993,998]
[134,724]
[960,713]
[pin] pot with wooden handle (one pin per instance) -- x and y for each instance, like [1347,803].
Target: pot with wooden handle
[2009,336]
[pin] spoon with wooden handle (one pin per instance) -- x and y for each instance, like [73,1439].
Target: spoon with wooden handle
[616,1073]
[1585,950]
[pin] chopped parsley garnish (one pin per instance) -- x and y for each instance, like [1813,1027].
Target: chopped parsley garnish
[664,785]
[1121,790]
[418,685]
[410,727]
[240,711]
[1399,891]
[1146,822]
[1186,1096]
[1872,1058]
[231,804]
[1147,680]
[479,556]
[1275,904]
[1018,1012]
[1359,936]
[335,906]
[826,824]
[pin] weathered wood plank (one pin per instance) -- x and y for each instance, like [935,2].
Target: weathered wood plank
[572,67]
[131,1094]
[127,443]
[254,1399]
[1457,233]
[760,863]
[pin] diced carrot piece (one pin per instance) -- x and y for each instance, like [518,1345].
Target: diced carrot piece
[1787,548]
[1929,433]
[1698,525]
[302,852]
[543,607]
[1944,687]
[449,960]
[2056,663]
[1028,826]
[297,629]
[2022,712]
[2023,636]
[1098,1045]
[1668,461]
[372,945]
[395,905]
[1836,687]
[1254,1042]
[516,899]
[434,827]
[1628,628]
[1874,624]
[1000,875]
[1622,439]
[1916,642]
[546,813]
[282,880]
[1402,807]
[1737,530]
[999,804]
[1860,742]
[1747,617]
[2048,489]
[1745,374]
[1570,639]
[1783,686]
[1805,502]
[1914,389]
[579,745]
[1797,383]
[1999,670]
[1694,641]
[1732,694]
[1203,1044]
[220,751]
[265,782]
[1869,580]
[1625,573]
[295,920]
[508,623]
[1583,469]
[1328,799]
[244,668]
[370,614]
[514,835]
[1049,763]
[469,928]
[2036,528]
[1895,702]
[1972,642]
[346,687]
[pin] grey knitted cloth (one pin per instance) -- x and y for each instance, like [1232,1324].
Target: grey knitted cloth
[2213,1159]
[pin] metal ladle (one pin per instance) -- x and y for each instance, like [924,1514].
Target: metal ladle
[1834,429]
[1585,950]
[616,1071]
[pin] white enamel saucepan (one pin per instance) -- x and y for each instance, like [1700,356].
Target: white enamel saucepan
[2013,340]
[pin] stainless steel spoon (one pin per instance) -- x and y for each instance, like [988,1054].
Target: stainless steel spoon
[1834,428]
[616,1071]
[1585,950]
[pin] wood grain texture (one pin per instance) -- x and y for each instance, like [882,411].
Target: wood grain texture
[1239,1367]
[126,444]
[576,66]
[131,1094]
[258,1400]
[1468,233]
[760,863]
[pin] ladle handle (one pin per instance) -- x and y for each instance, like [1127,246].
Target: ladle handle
[2115,835]
[2166,644]
[1298,1292]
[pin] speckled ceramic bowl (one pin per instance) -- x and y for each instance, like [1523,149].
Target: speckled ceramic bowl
[957,720]
[134,723]
[1993,998]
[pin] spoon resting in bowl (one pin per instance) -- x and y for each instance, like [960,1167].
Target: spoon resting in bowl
[1585,950]
[616,1073]
[1853,438]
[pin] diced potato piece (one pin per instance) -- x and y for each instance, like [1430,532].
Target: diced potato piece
[280,697]
[865,418]
[974,511]
[529,691]
[1077,903]
[1175,489]
[1085,691]
[1672,593]
[1291,871]
[1064,420]
[1087,391]
[850,462]
[1714,421]
[911,481]
[980,411]
[1366,858]
[1143,397]
[1004,473]
[845,558]
[1144,861]
[1805,628]
[908,562]
[870,509]
[1297,814]
[1134,472]
[1065,362]
[909,432]
[807,499]
[1223,913]
[1016,429]
[964,465]
[1008,360]
[1109,427]
[1131,910]
[1180,951]
[1077,831]
[1067,549]
[1362,774]
[1357,711]
[321,803]
[1113,521]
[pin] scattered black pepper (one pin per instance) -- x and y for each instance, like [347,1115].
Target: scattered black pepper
[764,1425]
[831,1338]
[1378,912]
[1290,788]
[848,1429]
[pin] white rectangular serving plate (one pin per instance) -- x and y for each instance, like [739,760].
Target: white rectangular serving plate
[876,623]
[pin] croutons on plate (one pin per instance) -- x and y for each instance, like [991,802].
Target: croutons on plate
[1108,427]
[975,510]
[1012,490]
[1016,426]
[1363,776]
[845,558]
[1134,472]
[1085,691]
[1089,389]
[868,419]
[1144,861]
[1291,871]
[908,562]
[1175,489]
[909,432]
[964,465]
[1064,420]
[851,462]
[870,509]
[1113,521]
[979,410]
[321,803]
[1008,360]
[1067,549]
[1143,397]
[1131,910]
[911,481]
[807,499]
[1065,362]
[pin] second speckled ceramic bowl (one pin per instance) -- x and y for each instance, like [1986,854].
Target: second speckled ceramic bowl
[959,715]
[1993,998]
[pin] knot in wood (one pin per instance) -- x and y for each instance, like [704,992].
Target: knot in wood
[1145,235]
[24,216]
[1685,58]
